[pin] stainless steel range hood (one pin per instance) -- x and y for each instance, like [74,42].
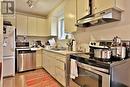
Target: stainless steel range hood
[106,16]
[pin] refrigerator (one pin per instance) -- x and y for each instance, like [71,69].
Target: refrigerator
[9,51]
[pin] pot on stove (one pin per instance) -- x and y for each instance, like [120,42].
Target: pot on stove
[102,53]
[106,54]
[98,53]
[119,52]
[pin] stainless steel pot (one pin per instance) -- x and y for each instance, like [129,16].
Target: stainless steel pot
[98,53]
[106,54]
[119,51]
[102,53]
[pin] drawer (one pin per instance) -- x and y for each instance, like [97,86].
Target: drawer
[60,65]
[55,55]
[49,53]
[60,76]
[61,58]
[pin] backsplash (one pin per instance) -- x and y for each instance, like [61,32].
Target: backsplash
[107,31]
[31,39]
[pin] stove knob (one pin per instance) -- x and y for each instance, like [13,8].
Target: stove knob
[94,43]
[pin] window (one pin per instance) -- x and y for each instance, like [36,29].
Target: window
[61,29]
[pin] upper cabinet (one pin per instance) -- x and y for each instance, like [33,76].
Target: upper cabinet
[100,5]
[32,27]
[21,24]
[82,8]
[42,29]
[52,25]
[70,16]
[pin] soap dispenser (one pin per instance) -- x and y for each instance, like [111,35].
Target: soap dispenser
[73,45]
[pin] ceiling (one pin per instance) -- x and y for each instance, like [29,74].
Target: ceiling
[42,7]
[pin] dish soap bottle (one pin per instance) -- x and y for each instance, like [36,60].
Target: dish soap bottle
[73,45]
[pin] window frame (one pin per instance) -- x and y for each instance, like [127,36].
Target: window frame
[61,30]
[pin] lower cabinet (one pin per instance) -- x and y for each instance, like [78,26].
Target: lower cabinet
[55,64]
[38,58]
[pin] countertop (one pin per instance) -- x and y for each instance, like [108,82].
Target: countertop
[63,52]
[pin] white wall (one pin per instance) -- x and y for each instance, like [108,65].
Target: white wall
[107,31]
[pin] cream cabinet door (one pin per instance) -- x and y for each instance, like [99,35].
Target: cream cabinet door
[21,24]
[60,72]
[52,66]
[52,25]
[42,27]
[32,26]
[82,8]
[44,61]
[70,16]
[38,59]
[101,5]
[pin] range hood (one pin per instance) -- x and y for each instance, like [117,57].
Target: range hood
[106,16]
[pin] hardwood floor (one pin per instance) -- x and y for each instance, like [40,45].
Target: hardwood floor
[36,78]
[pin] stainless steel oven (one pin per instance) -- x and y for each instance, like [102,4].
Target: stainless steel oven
[90,76]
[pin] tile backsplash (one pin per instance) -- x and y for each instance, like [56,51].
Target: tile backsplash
[31,39]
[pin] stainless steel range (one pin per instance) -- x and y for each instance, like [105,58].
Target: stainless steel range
[95,72]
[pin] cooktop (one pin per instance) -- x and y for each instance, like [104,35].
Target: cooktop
[98,62]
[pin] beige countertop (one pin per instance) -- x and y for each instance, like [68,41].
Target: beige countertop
[63,52]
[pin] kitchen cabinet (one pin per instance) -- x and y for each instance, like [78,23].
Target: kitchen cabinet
[21,24]
[55,64]
[82,8]
[100,5]
[70,16]
[52,25]
[38,58]
[32,26]
[42,27]
[60,71]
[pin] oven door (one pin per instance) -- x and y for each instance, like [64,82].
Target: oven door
[89,76]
